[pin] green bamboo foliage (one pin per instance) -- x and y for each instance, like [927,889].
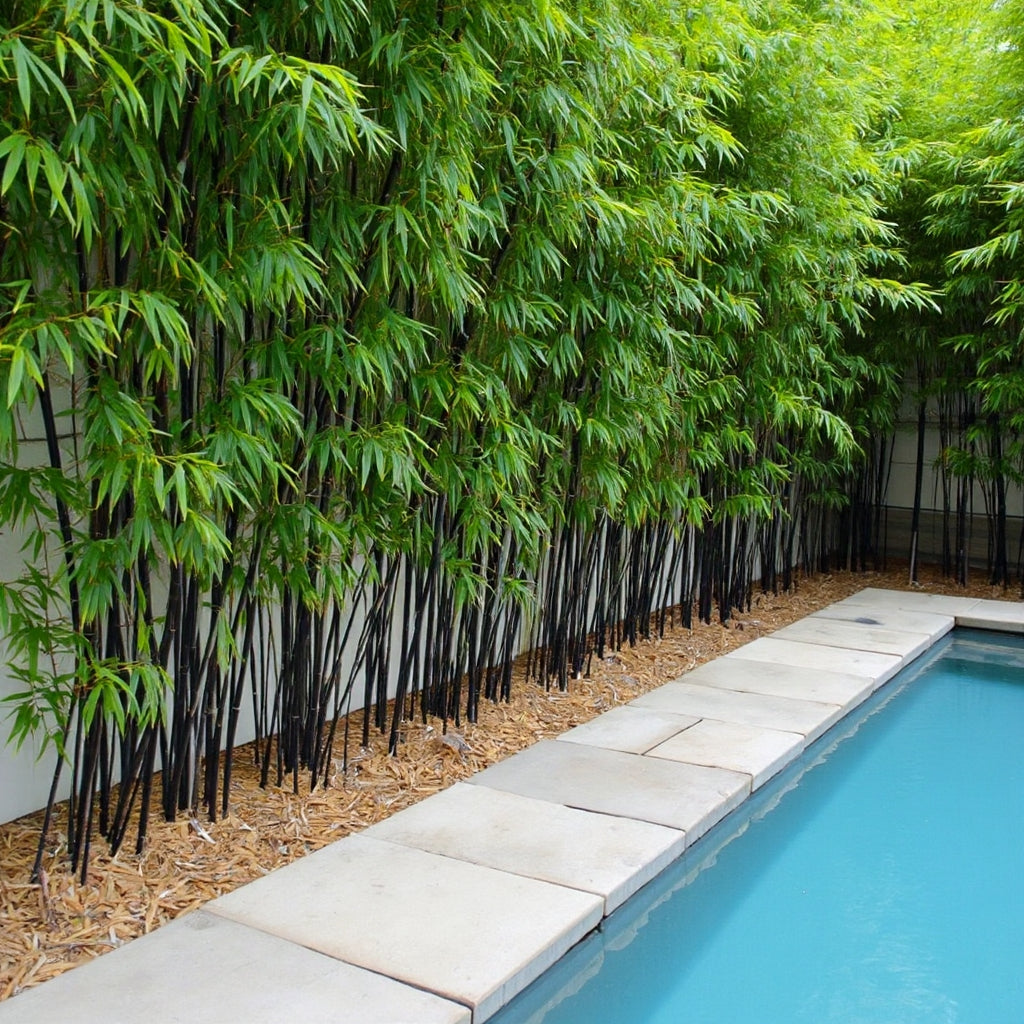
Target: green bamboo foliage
[960,150]
[157,272]
[368,346]
[985,277]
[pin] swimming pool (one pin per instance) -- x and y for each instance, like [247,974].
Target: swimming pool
[880,880]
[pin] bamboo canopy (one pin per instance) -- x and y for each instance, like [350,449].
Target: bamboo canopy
[349,350]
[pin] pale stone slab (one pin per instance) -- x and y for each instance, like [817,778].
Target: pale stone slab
[911,600]
[599,853]
[204,969]
[682,796]
[855,636]
[788,714]
[761,753]
[932,623]
[1007,616]
[466,932]
[877,667]
[780,680]
[633,730]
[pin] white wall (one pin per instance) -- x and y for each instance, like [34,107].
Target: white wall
[900,493]
[24,778]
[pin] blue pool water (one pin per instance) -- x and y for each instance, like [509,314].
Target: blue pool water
[879,881]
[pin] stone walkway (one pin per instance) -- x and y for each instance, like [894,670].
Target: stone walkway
[443,912]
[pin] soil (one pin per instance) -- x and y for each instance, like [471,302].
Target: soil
[52,926]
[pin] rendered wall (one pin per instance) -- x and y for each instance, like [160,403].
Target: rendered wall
[900,499]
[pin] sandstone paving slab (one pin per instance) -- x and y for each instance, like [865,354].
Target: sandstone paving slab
[934,624]
[855,636]
[911,600]
[788,714]
[774,679]
[760,753]
[466,932]
[1007,616]
[599,853]
[205,969]
[682,796]
[877,667]
[633,730]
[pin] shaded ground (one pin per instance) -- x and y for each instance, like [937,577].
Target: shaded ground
[51,927]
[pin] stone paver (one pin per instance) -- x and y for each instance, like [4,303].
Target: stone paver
[910,600]
[775,679]
[1002,615]
[787,714]
[466,932]
[682,796]
[932,623]
[758,752]
[630,729]
[599,853]
[879,668]
[855,636]
[203,969]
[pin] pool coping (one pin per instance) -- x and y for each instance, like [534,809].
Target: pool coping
[442,913]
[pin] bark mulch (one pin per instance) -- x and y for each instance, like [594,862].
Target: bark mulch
[50,927]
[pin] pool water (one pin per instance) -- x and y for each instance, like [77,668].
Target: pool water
[878,881]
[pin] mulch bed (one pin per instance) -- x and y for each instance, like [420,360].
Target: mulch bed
[50,927]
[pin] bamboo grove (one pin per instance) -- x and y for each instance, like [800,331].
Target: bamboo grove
[957,140]
[349,351]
